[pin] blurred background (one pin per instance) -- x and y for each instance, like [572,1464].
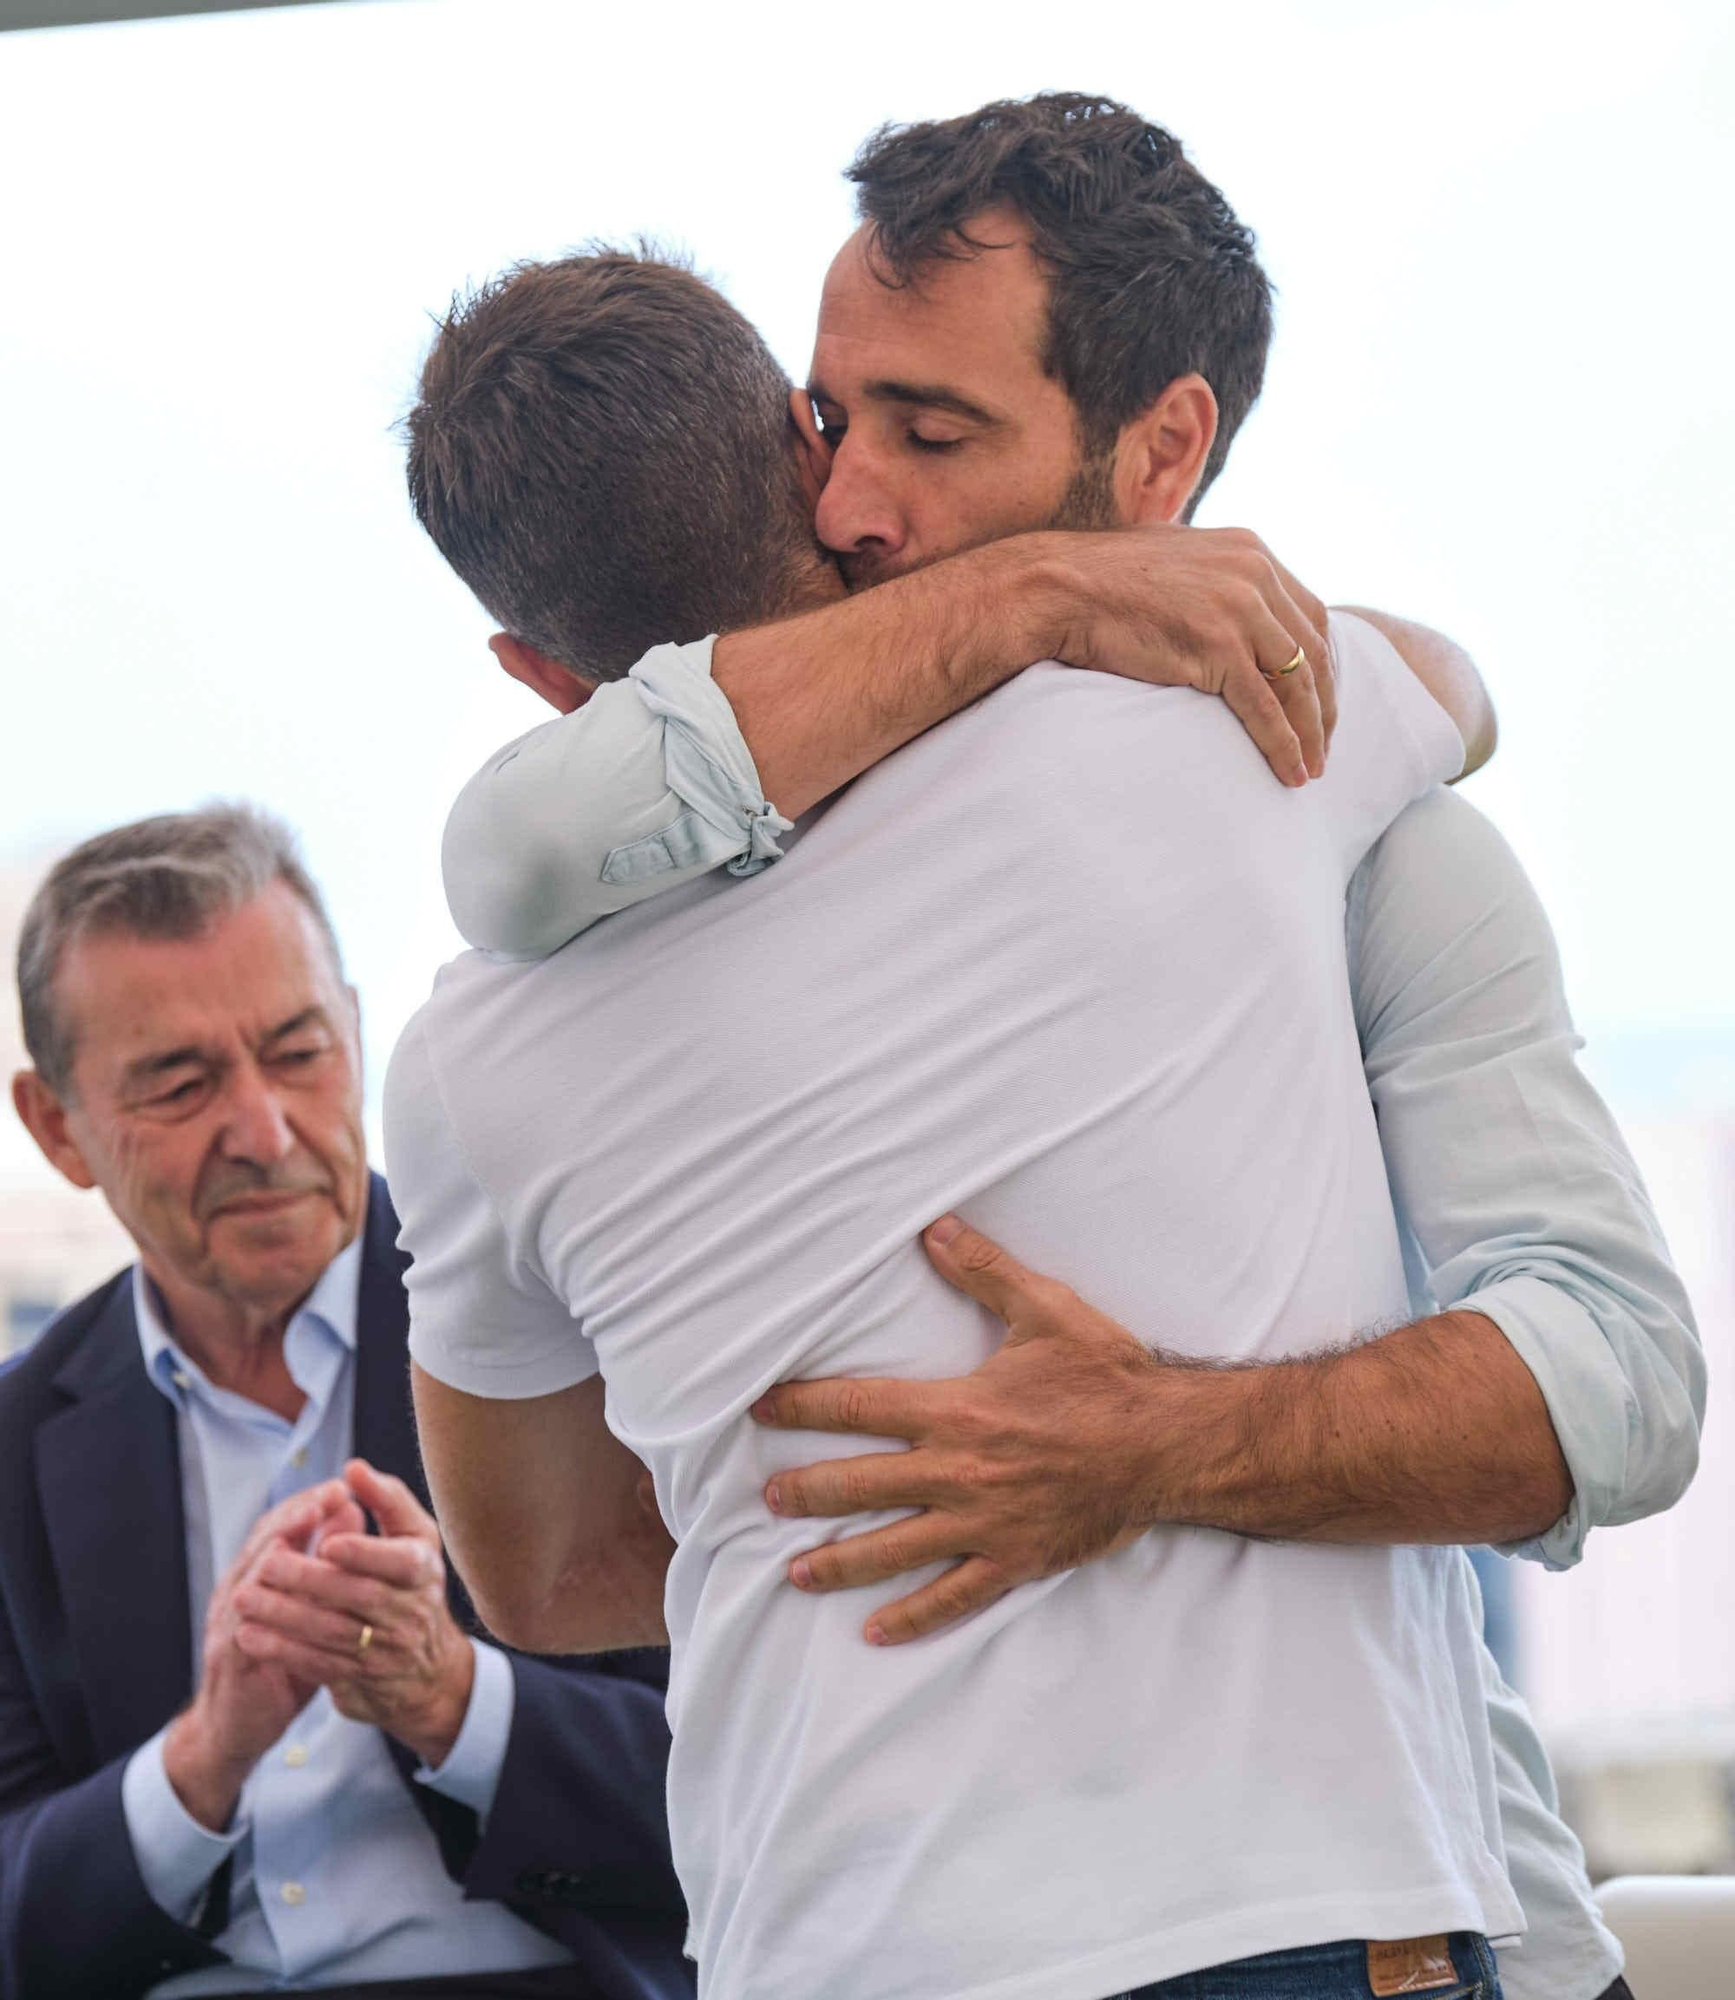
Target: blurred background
[1500,401]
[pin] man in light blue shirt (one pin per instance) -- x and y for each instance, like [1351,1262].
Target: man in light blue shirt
[1570,1337]
[245,1744]
[330,1864]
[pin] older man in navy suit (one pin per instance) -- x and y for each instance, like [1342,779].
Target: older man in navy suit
[245,1742]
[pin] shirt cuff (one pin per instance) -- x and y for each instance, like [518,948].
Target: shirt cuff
[1589,1402]
[176,1855]
[471,1773]
[708,767]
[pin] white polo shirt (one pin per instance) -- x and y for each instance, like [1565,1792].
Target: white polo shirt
[1072,965]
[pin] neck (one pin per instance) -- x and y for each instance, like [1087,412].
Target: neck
[237,1345]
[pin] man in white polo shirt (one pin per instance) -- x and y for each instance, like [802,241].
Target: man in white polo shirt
[1073,963]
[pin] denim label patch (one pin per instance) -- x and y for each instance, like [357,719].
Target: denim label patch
[1411,1965]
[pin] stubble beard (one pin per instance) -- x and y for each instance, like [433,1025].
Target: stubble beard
[1087,505]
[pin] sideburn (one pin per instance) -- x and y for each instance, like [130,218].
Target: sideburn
[1088,502]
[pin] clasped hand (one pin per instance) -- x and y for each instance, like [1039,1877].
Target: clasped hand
[364,1616]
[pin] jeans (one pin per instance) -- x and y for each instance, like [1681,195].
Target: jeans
[1324,1972]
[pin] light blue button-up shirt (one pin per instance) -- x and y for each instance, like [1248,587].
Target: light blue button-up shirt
[336,1876]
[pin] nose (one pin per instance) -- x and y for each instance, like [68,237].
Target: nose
[858,512]
[255,1129]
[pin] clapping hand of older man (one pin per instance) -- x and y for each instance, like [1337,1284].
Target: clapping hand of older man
[245,1702]
[367,1617]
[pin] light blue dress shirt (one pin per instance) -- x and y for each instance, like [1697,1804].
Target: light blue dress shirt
[336,1875]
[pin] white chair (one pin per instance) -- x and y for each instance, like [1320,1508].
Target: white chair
[1679,1934]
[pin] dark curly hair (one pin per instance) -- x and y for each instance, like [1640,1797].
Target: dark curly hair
[1151,274]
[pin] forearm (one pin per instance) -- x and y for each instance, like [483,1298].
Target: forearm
[1434,1433]
[573,1587]
[540,1509]
[603,1598]
[824,695]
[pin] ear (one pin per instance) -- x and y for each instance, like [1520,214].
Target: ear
[44,1118]
[1160,456]
[559,686]
[812,452]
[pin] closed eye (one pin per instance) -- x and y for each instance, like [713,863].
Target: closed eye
[179,1095]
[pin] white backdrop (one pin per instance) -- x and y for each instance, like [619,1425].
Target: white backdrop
[1500,400]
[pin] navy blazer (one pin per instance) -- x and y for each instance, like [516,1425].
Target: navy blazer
[95,1656]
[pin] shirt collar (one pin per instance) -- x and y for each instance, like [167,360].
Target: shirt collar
[335,1302]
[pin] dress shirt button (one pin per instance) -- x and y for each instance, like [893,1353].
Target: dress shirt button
[298,1457]
[181,1379]
[294,1894]
[295,1756]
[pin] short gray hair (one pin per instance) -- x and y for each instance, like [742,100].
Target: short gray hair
[166,877]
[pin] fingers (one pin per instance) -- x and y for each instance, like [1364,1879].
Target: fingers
[362,1599]
[974,1584]
[886,1409]
[1276,640]
[292,1519]
[850,1486]
[1315,628]
[875,1557]
[1307,619]
[1256,705]
[405,1562]
[389,1501]
[976,1264]
[318,1666]
[259,1607]
[347,1519]
[1297,695]
[1286,618]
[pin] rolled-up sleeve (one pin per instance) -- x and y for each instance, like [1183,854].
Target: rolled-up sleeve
[647,786]
[1517,1193]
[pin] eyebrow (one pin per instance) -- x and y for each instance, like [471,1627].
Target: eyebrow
[307,1018]
[927,395]
[148,1067]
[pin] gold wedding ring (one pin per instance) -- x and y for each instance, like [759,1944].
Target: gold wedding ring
[1300,655]
[364,1639]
